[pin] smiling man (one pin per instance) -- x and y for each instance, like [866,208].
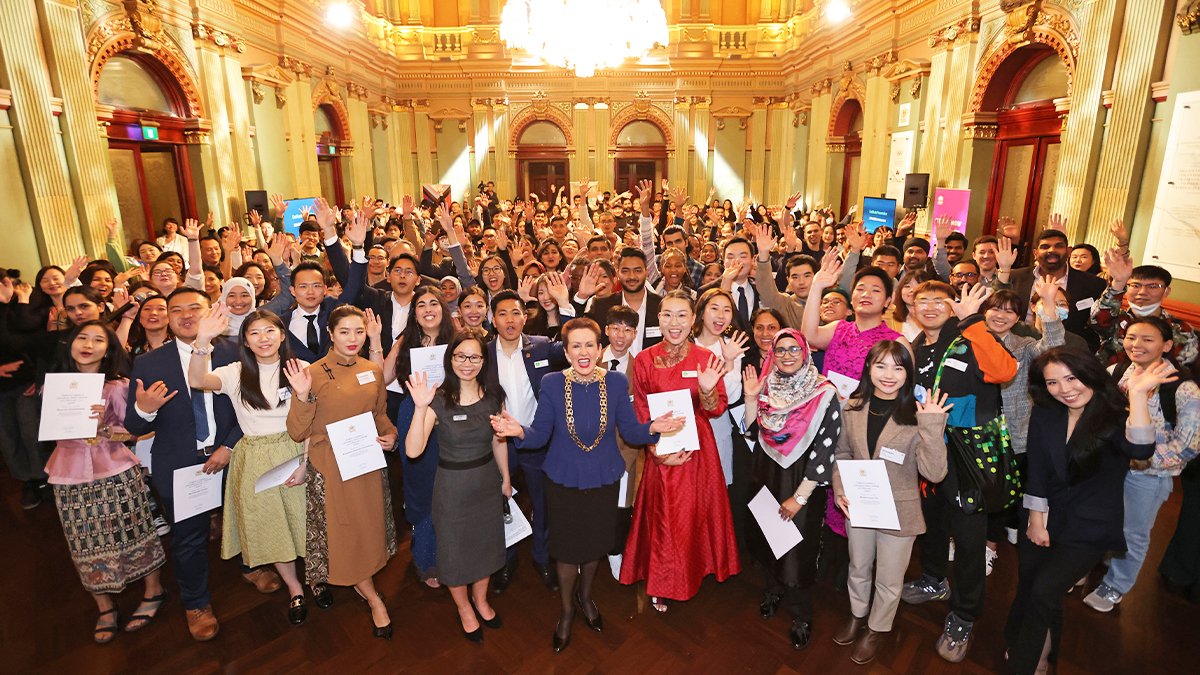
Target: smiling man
[631,271]
[1144,288]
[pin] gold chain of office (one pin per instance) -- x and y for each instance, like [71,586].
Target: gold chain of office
[573,377]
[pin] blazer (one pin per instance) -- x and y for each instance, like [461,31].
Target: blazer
[924,449]
[1089,512]
[541,356]
[651,334]
[350,292]
[1081,287]
[758,297]
[174,426]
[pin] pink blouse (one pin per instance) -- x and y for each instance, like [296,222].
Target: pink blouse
[847,351]
[84,460]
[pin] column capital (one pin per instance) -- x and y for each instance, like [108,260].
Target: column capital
[1189,19]
[948,35]
[221,39]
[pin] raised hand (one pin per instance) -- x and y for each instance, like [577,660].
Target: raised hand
[356,229]
[793,200]
[326,219]
[110,224]
[279,204]
[72,273]
[679,196]
[971,300]
[420,389]
[765,239]
[277,248]
[735,347]
[299,377]
[790,239]
[905,226]
[1056,222]
[23,291]
[1007,227]
[190,229]
[751,385]
[645,194]
[507,426]
[1117,229]
[732,270]
[1144,380]
[407,205]
[941,228]
[374,327]
[558,288]
[525,289]
[590,281]
[668,423]
[255,217]
[935,403]
[829,274]
[150,400]
[856,236]
[213,322]
[232,238]
[1120,268]
[1006,255]
[1046,289]
[501,239]
[712,373]
[584,186]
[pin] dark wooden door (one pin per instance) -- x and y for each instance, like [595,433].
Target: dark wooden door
[1024,170]
[630,171]
[545,177]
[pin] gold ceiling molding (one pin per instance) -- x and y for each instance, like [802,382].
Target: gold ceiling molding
[460,116]
[203,32]
[947,35]
[300,68]
[908,68]
[1189,19]
[732,112]
[878,63]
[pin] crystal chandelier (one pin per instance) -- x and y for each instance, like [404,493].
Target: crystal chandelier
[584,34]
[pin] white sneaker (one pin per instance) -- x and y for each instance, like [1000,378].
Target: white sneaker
[614,563]
[161,526]
[1103,599]
[1012,535]
[951,558]
[989,557]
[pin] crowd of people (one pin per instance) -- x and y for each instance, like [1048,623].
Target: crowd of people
[1049,406]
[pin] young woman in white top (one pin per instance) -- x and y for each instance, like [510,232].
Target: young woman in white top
[714,314]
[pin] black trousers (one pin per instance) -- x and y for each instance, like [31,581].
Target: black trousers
[739,490]
[944,520]
[1047,574]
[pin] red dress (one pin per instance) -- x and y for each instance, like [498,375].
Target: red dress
[682,528]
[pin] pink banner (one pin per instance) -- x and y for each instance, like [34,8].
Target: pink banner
[953,203]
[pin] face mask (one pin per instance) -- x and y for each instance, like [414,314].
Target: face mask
[1144,310]
[1063,313]
[829,221]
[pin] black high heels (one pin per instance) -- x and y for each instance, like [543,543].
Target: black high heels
[475,636]
[559,643]
[596,624]
[384,632]
[493,623]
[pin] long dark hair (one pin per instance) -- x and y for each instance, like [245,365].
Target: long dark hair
[1103,414]
[266,291]
[115,365]
[899,309]
[905,410]
[249,387]
[138,342]
[489,383]
[413,335]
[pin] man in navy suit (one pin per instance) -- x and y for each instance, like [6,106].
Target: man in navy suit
[193,428]
[392,307]
[520,362]
[307,321]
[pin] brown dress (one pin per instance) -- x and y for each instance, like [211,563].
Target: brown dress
[351,531]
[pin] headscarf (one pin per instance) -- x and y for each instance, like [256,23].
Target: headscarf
[235,321]
[791,407]
[457,292]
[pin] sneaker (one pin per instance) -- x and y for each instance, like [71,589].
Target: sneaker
[989,558]
[953,643]
[1103,599]
[924,589]
[951,558]
[1012,535]
[31,497]
[161,526]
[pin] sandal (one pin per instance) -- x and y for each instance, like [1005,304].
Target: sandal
[144,616]
[105,634]
[659,604]
[432,582]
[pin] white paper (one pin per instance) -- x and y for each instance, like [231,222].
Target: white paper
[519,528]
[354,445]
[845,385]
[196,492]
[67,401]
[782,535]
[738,413]
[277,476]
[623,491]
[870,494]
[678,402]
[1174,231]
[428,360]
[142,449]
[899,163]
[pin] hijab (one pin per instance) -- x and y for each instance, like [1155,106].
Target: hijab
[791,407]
[235,321]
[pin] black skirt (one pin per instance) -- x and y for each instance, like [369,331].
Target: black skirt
[583,523]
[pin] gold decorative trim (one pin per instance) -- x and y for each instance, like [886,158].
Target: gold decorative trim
[947,35]
[642,109]
[1189,19]
[985,132]
[120,34]
[203,32]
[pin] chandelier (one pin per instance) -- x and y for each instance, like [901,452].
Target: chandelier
[584,34]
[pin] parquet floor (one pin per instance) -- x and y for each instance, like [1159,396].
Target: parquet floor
[46,619]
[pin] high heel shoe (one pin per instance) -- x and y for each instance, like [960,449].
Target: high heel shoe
[475,636]
[596,624]
[493,623]
[384,632]
[560,644]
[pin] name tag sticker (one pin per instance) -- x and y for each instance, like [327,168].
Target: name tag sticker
[544,363]
[284,394]
[1085,303]
[689,373]
[366,378]
[891,455]
[960,366]
[631,398]
[653,331]
[920,392]
[460,418]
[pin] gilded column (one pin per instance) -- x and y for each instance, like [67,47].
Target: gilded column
[818,130]
[297,111]
[421,124]
[960,71]
[360,130]
[701,126]
[931,142]
[225,186]
[400,151]
[683,134]
[876,141]
[1123,155]
[504,167]
[579,123]
[758,148]
[86,150]
[604,163]
[780,176]
[481,142]
[45,175]
[239,117]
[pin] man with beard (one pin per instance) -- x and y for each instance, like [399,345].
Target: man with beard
[964,276]
[631,270]
[1050,256]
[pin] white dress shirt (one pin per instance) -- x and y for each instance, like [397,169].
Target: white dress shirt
[299,324]
[399,317]
[733,290]
[520,401]
[622,361]
[185,358]
[639,337]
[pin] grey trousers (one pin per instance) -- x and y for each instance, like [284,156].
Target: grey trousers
[19,417]
[887,553]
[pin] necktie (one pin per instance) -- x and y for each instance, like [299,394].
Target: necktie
[314,342]
[200,410]
[743,304]
[613,364]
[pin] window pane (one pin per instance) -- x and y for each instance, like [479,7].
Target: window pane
[125,83]
[640,133]
[543,133]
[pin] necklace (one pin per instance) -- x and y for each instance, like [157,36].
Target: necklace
[573,377]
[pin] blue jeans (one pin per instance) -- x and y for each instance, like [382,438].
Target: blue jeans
[1144,496]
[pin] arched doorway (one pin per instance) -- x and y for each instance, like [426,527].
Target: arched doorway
[329,159]
[1025,164]
[640,154]
[146,148]
[849,125]
[542,160]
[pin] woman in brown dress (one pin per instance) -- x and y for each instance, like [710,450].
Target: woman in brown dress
[351,532]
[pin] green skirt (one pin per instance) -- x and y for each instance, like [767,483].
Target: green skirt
[269,526]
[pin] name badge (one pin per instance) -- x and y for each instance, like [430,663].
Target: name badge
[689,373]
[460,418]
[1085,303]
[366,378]
[960,366]
[284,394]
[544,363]
[891,455]
[919,392]
[654,331]
[631,398]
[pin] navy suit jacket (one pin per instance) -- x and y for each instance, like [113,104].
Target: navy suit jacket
[542,357]
[174,427]
[350,291]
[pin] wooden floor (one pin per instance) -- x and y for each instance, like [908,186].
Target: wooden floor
[46,620]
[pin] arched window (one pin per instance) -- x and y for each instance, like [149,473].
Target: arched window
[640,133]
[543,133]
[641,154]
[127,83]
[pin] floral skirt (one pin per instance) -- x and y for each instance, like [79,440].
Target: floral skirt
[109,530]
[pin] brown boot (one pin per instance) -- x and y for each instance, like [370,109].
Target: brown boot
[265,581]
[849,631]
[202,623]
[867,645]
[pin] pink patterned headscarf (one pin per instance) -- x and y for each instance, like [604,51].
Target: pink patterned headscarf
[789,404]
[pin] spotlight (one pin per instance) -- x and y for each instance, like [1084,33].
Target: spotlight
[339,15]
[837,11]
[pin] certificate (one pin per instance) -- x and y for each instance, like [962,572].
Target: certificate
[845,385]
[678,402]
[517,526]
[870,494]
[196,492]
[782,535]
[142,450]
[278,475]
[67,401]
[354,445]
[428,360]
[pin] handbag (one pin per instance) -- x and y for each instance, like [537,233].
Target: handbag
[989,479]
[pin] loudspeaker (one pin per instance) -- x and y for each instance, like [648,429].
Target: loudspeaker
[916,190]
[256,200]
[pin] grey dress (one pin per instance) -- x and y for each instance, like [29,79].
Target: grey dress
[468,506]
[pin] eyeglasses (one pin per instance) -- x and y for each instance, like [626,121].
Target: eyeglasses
[784,351]
[493,270]
[163,274]
[473,359]
[929,304]
[965,275]
[310,287]
[1137,286]
[377,258]
[404,271]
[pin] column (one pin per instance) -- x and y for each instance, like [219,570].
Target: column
[604,163]
[400,158]
[47,182]
[239,117]
[1100,22]
[758,149]
[361,160]
[1123,155]
[780,184]
[683,135]
[935,97]
[960,71]
[701,128]
[425,173]
[86,150]
[876,141]
[481,142]
[579,124]
[225,186]
[504,167]
[297,108]
[818,129]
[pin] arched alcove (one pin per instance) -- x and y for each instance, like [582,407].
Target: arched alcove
[543,158]
[846,131]
[640,154]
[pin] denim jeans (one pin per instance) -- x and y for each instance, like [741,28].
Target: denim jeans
[1144,495]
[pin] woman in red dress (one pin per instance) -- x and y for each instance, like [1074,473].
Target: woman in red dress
[682,528]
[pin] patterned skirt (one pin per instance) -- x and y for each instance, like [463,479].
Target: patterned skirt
[268,526]
[316,562]
[109,530]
